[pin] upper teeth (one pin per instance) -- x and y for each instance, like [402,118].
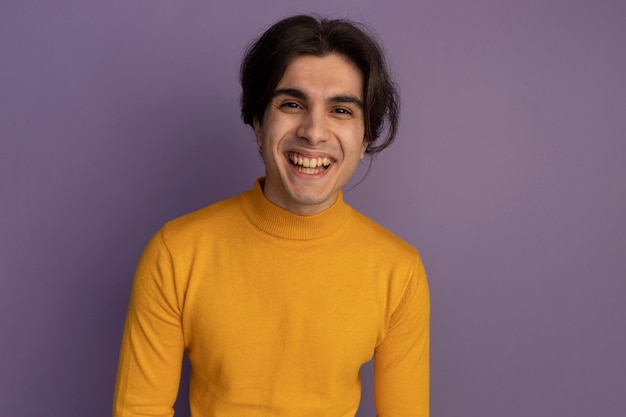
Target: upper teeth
[309,162]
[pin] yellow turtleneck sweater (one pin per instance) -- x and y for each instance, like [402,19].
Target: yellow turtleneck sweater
[276,312]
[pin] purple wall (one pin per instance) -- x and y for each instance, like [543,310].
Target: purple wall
[509,175]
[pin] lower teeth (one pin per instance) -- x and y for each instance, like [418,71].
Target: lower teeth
[309,170]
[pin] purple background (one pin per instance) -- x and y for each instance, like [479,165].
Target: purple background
[509,175]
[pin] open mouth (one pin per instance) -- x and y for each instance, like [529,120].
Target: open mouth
[308,165]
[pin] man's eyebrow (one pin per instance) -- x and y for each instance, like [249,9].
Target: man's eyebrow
[346,99]
[340,98]
[293,92]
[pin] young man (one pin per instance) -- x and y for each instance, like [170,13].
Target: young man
[279,295]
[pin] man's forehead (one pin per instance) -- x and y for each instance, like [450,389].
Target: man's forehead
[333,74]
[332,58]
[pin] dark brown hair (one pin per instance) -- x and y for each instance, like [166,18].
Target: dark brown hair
[266,60]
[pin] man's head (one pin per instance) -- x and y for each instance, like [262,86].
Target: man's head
[268,58]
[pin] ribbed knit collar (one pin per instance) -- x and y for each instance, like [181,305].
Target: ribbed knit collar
[279,222]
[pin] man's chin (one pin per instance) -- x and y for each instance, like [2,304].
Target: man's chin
[313,201]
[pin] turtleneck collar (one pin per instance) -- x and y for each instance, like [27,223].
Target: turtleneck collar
[279,222]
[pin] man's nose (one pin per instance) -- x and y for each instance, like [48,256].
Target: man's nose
[314,127]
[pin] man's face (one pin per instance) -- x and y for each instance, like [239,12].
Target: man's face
[312,134]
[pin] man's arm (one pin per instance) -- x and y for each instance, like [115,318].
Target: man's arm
[152,346]
[401,361]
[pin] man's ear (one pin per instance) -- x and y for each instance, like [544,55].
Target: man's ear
[258,129]
[364,148]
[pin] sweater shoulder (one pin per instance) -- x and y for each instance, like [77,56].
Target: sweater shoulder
[212,219]
[371,231]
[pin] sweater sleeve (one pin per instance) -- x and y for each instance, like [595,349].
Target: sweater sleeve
[401,361]
[152,345]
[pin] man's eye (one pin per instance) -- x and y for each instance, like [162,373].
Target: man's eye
[290,105]
[341,110]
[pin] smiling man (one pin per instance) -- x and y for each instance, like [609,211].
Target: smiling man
[278,296]
[312,133]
